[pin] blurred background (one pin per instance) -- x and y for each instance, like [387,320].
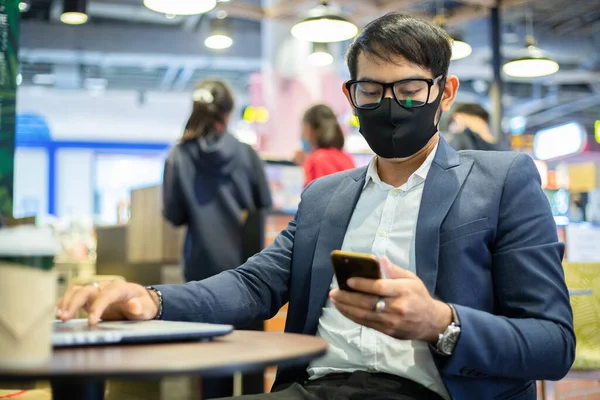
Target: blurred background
[104,88]
[110,96]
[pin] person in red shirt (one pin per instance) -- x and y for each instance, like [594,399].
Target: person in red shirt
[323,144]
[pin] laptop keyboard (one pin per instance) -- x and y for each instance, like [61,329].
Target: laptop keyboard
[65,327]
[79,332]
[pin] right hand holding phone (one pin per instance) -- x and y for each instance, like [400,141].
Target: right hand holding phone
[410,313]
[110,300]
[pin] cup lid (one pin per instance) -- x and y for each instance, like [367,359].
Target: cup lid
[28,241]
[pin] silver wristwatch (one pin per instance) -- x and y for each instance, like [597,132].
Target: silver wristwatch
[447,340]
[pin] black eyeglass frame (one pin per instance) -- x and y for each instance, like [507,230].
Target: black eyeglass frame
[390,85]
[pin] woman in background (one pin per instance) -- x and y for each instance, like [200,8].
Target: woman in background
[323,143]
[210,179]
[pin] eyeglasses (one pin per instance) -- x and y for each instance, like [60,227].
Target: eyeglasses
[409,93]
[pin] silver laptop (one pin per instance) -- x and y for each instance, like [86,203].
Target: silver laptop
[77,332]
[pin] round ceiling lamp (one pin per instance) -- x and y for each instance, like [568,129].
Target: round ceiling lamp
[531,62]
[220,37]
[180,7]
[24,5]
[323,26]
[460,49]
[74,12]
[320,56]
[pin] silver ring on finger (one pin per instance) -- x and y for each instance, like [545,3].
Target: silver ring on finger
[94,284]
[380,305]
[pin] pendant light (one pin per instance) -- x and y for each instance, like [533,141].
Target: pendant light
[74,12]
[531,62]
[220,37]
[24,5]
[460,48]
[180,7]
[324,26]
[320,56]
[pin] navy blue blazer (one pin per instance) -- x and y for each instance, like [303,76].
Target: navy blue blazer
[485,241]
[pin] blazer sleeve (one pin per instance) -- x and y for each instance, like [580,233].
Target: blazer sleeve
[531,336]
[256,290]
[174,204]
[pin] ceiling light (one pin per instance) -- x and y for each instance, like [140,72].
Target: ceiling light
[460,49]
[95,83]
[219,38]
[43,79]
[324,26]
[559,141]
[320,55]
[218,42]
[74,12]
[180,7]
[531,62]
[24,5]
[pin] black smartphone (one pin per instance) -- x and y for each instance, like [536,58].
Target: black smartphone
[348,265]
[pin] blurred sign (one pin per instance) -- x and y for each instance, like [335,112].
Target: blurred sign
[560,204]
[255,114]
[582,243]
[542,168]
[559,141]
[583,177]
[9,66]
[597,131]
[521,142]
[562,176]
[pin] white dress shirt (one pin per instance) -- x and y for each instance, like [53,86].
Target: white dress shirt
[384,224]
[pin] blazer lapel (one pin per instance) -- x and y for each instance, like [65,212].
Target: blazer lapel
[331,237]
[444,180]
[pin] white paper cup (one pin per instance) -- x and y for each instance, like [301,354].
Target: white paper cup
[28,287]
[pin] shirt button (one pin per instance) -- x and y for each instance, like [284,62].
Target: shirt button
[396,192]
[382,233]
[371,369]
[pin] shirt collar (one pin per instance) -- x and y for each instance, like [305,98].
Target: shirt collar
[416,178]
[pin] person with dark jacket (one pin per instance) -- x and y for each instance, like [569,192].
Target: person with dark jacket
[210,180]
[470,126]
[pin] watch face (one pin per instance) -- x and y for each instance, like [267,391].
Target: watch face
[449,340]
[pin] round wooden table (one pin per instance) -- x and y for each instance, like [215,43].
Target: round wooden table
[81,372]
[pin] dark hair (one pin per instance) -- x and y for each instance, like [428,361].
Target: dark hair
[473,109]
[213,101]
[324,124]
[396,34]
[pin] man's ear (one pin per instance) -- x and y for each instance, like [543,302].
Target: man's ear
[347,94]
[449,95]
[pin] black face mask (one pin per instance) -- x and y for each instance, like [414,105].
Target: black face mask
[393,131]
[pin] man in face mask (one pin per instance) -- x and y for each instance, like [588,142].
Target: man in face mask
[470,129]
[473,303]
